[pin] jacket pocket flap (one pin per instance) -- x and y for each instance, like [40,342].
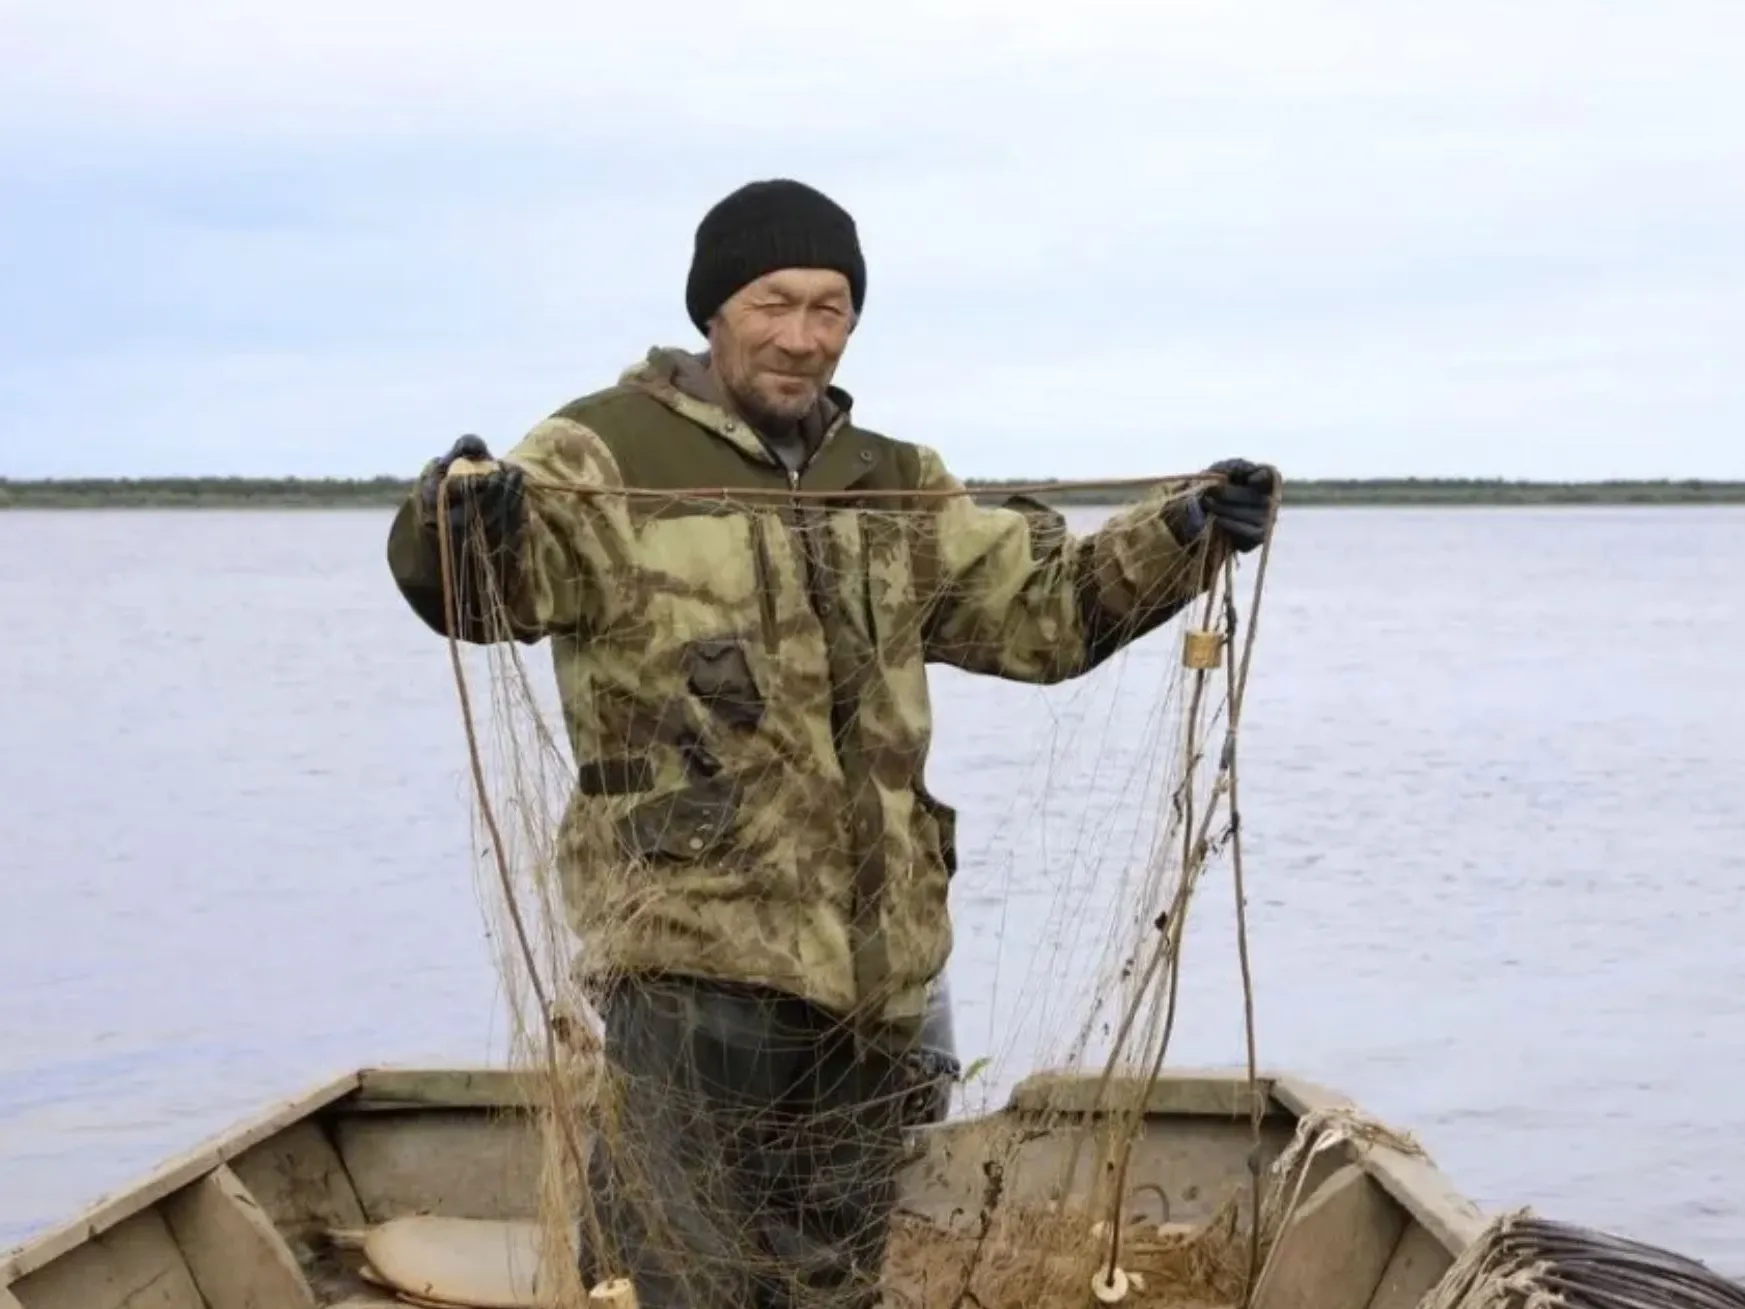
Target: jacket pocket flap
[719,674]
[683,824]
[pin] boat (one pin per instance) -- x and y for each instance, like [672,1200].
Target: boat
[422,1170]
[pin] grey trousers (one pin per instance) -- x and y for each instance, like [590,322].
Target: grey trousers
[753,1160]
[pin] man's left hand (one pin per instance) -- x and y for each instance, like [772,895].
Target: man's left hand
[1241,505]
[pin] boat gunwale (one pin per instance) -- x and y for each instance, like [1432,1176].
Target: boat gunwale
[1416,1183]
[110,1211]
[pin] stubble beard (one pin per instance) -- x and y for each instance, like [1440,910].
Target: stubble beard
[776,412]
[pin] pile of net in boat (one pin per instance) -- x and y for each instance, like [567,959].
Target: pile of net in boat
[1041,1258]
[1521,1261]
[1103,803]
[1524,1261]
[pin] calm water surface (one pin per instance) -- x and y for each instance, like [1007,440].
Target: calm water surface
[1493,772]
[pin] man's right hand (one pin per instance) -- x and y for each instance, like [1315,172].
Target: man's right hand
[1240,506]
[480,490]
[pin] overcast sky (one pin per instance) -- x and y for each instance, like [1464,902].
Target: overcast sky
[1451,237]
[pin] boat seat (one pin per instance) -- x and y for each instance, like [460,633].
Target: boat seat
[453,1263]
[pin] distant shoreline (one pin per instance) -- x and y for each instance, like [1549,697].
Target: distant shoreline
[387,492]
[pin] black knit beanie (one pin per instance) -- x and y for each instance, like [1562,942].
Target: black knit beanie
[764,226]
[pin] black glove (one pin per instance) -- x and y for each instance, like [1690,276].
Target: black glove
[495,500]
[1241,505]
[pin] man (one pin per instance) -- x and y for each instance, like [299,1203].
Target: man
[756,871]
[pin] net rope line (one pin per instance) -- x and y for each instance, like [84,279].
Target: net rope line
[583,1038]
[1183,481]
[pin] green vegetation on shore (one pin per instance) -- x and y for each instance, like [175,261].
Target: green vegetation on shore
[385,492]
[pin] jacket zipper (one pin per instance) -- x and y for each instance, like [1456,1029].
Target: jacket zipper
[766,579]
[808,546]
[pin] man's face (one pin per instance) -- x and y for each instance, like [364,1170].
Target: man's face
[775,345]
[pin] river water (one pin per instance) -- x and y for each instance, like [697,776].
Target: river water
[1492,778]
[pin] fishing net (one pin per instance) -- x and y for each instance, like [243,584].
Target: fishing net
[1523,1261]
[1127,805]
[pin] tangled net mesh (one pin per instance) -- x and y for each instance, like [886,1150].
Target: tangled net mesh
[1524,1261]
[1152,808]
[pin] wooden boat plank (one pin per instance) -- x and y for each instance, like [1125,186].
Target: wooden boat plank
[1336,1247]
[1206,1093]
[384,1089]
[238,1258]
[299,1181]
[1419,1261]
[112,1211]
[131,1264]
[1188,1166]
[441,1161]
[1419,1185]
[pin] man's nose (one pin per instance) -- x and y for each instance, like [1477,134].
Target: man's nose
[796,335]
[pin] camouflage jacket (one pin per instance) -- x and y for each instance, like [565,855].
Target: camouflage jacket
[744,684]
